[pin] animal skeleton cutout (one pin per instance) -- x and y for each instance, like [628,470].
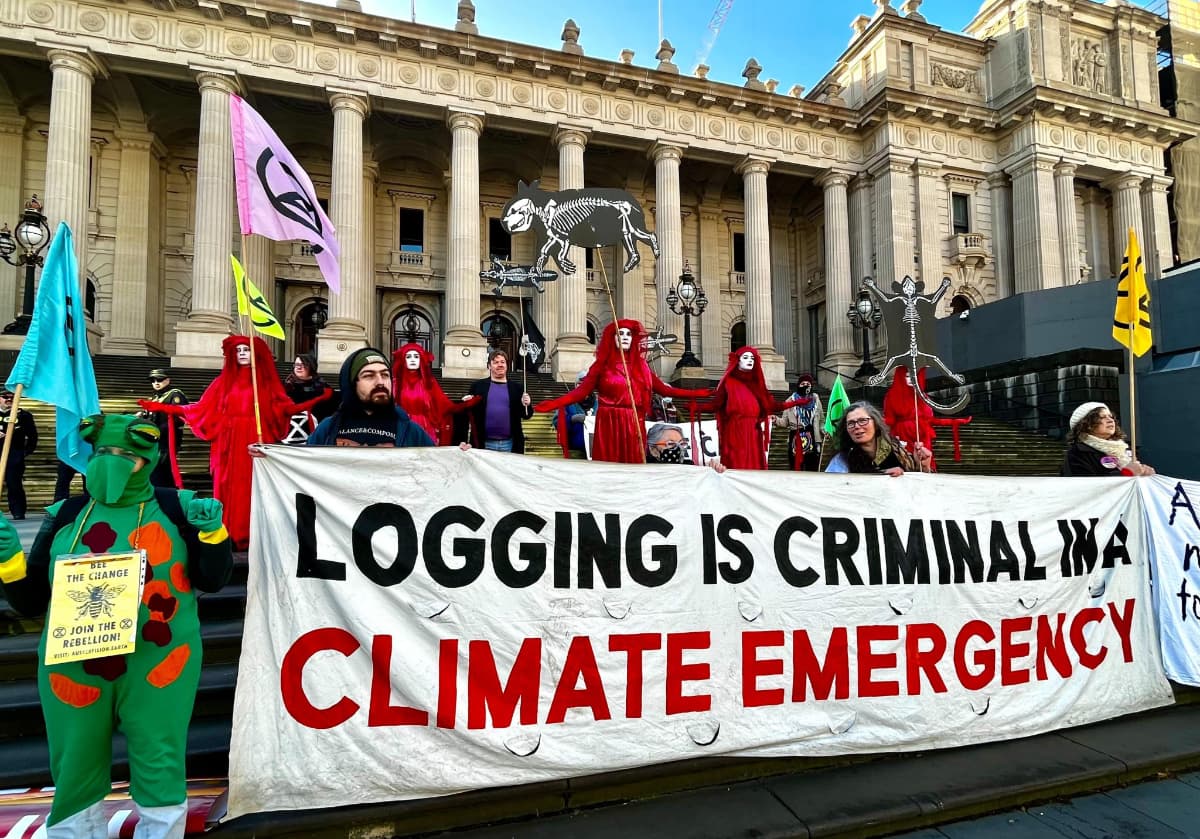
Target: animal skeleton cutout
[909,315]
[657,341]
[504,275]
[583,218]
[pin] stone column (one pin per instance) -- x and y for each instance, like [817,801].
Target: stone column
[198,338]
[783,280]
[1037,261]
[258,258]
[931,268]
[12,199]
[1127,213]
[370,179]
[759,331]
[131,275]
[349,310]
[1157,224]
[1068,224]
[840,287]
[1095,212]
[68,146]
[465,354]
[668,227]
[861,251]
[1000,192]
[893,225]
[712,279]
[573,353]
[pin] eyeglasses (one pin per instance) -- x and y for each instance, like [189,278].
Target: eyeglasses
[858,423]
[674,444]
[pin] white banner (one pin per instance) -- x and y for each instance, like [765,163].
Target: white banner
[1174,522]
[422,622]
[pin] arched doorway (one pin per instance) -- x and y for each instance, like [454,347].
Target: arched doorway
[410,326]
[501,333]
[960,306]
[737,336]
[309,321]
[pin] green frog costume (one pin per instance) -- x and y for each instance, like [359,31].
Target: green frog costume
[148,693]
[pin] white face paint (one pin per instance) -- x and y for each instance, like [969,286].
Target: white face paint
[243,355]
[746,361]
[624,338]
[412,360]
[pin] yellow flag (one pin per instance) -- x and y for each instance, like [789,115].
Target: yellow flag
[1131,320]
[250,301]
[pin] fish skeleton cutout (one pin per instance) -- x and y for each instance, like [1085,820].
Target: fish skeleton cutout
[516,275]
[910,316]
[657,341]
[581,218]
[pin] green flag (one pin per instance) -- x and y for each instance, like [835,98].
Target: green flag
[838,403]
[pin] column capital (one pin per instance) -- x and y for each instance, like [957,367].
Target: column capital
[1122,182]
[346,100]
[215,80]
[666,151]
[926,169]
[73,58]
[457,118]
[1065,169]
[999,180]
[891,163]
[1156,183]
[833,179]
[1033,161]
[370,170]
[752,165]
[13,124]
[860,182]
[134,140]
[571,135]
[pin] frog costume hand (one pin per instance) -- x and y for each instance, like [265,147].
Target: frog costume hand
[151,690]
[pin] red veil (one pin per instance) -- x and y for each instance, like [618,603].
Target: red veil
[422,398]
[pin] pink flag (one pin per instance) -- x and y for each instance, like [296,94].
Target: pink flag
[275,196]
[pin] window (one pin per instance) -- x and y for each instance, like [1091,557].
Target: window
[737,336]
[499,240]
[960,212]
[739,253]
[412,230]
[589,258]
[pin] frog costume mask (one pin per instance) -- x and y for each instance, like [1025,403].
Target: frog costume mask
[148,693]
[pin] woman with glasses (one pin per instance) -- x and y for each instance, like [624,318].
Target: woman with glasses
[665,444]
[1097,446]
[865,446]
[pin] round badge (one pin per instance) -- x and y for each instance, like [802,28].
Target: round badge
[1108,462]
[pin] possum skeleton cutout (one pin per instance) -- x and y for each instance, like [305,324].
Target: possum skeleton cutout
[909,315]
[583,218]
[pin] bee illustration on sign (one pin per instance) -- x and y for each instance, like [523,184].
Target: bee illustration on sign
[95,600]
[580,218]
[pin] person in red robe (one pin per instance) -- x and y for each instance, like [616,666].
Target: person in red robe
[619,371]
[224,416]
[743,407]
[420,395]
[908,416]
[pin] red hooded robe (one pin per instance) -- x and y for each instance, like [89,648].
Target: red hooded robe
[907,414]
[620,435]
[422,398]
[743,407]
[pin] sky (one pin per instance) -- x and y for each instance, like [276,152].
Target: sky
[795,41]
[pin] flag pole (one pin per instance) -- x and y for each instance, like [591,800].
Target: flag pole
[8,434]
[248,329]
[1132,395]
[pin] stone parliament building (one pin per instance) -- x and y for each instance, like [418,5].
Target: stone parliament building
[1010,158]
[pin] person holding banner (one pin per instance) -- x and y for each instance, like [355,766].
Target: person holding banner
[228,418]
[420,395]
[117,650]
[1097,446]
[368,416]
[665,444]
[623,383]
[865,446]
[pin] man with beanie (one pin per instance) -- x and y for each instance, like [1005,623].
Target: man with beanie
[170,429]
[368,415]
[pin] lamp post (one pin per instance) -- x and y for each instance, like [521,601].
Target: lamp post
[31,237]
[864,315]
[687,299]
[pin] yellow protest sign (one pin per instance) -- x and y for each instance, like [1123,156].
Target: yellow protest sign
[94,606]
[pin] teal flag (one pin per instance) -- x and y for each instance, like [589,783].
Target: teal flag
[838,403]
[54,364]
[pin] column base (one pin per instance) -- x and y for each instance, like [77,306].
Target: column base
[464,356]
[570,356]
[129,346]
[689,376]
[334,346]
[199,345]
[844,363]
[774,367]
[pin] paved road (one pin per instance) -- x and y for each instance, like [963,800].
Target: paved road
[1166,809]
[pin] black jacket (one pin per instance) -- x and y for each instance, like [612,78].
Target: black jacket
[25,437]
[516,413]
[1082,461]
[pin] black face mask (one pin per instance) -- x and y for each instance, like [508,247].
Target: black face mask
[804,389]
[673,454]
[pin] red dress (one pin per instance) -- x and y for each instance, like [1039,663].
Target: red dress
[422,398]
[620,432]
[907,414]
[743,407]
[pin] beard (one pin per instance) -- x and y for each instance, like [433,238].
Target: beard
[379,396]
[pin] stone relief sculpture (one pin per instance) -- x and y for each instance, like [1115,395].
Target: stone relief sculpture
[952,77]
[1089,65]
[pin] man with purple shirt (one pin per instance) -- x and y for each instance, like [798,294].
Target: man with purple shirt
[496,417]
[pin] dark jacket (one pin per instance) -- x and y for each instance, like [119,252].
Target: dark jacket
[25,435]
[516,413]
[408,433]
[1082,461]
[299,391]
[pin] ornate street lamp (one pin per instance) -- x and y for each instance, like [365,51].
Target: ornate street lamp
[863,314]
[687,299]
[31,237]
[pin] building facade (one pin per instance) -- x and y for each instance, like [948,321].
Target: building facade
[1009,158]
